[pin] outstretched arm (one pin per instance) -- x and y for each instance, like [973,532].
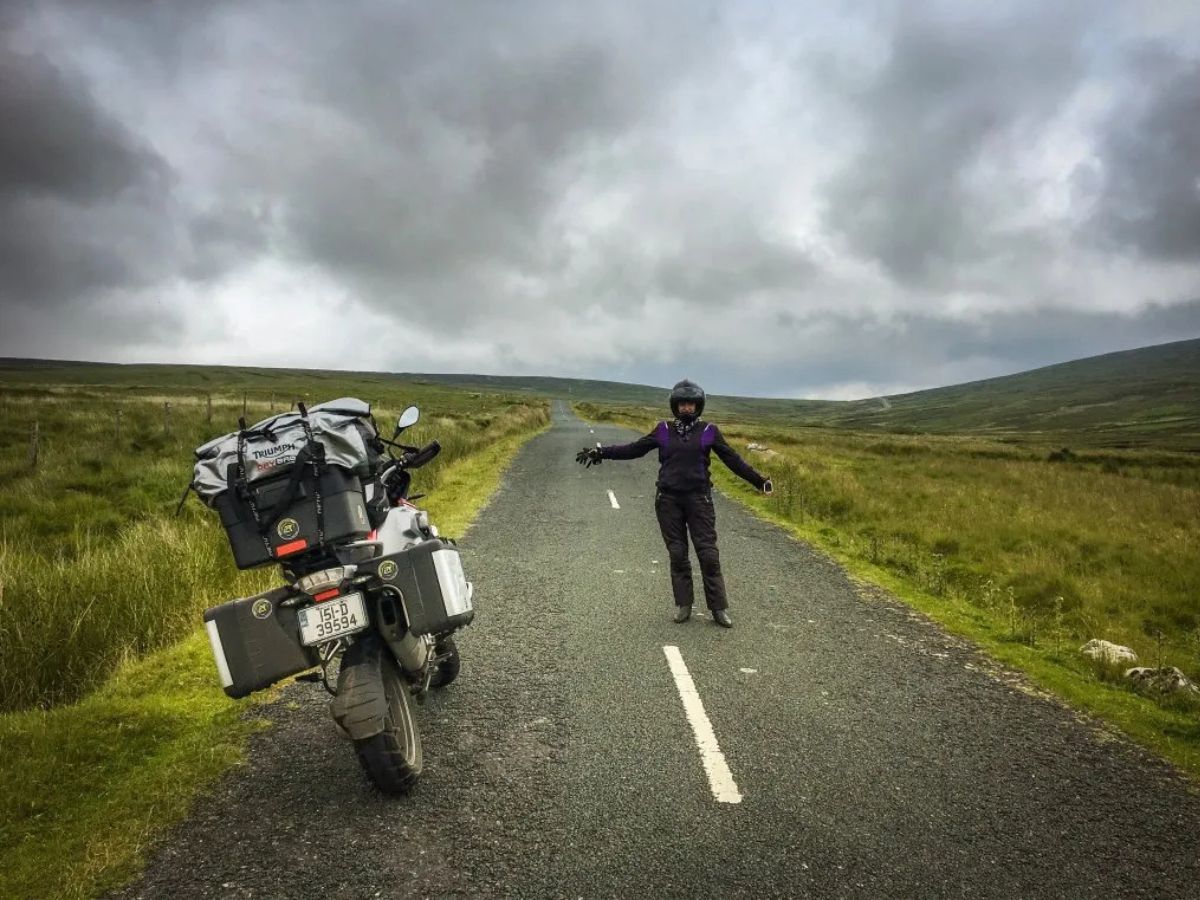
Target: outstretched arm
[736,464]
[638,448]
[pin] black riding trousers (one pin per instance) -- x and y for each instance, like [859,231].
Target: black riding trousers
[678,516]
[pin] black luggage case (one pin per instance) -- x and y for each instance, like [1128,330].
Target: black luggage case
[294,529]
[435,594]
[256,642]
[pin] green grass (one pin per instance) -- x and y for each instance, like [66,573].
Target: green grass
[85,788]
[88,785]
[1028,557]
[69,621]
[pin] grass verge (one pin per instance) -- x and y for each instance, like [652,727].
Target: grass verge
[1173,733]
[85,788]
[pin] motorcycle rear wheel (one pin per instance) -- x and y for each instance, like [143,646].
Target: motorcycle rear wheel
[392,759]
[449,668]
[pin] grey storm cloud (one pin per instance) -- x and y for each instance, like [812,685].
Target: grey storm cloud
[76,186]
[952,91]
[805,199]
[459,184]
[59,143]
[1149,161]
[425,154]
[90,214]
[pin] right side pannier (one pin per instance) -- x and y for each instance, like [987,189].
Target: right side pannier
[291,483]
[429,582]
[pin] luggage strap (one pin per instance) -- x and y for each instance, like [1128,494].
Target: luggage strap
[244,488]
[191,486]
[304,462]
[317,458]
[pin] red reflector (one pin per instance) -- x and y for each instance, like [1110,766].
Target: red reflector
[326,595]
[293,547]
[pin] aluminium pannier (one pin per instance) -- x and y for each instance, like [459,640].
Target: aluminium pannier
[432,589]
[293,482]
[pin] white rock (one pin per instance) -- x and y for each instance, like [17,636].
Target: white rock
[1166,680]
[1108,652]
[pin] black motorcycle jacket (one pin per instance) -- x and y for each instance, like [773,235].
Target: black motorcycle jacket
[683,456]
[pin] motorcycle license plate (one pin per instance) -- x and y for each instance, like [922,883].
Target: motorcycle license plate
[332,619]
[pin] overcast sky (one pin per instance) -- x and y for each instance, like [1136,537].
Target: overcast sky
[778,199]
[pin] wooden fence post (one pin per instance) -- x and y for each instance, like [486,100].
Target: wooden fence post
[166,418]
[118,424]
[33,445]
[243,406]
[272,403]
[209,419]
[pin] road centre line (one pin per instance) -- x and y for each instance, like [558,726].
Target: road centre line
[720,779]
[612,498]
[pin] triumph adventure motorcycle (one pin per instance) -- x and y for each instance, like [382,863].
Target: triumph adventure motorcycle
[373,594]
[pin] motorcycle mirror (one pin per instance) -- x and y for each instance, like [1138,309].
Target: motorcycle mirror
[407,419]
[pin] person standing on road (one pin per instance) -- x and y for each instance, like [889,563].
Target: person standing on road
[683,499]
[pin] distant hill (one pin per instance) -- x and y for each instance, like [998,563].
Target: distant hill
[1149,397]
[545,386]
[1144,397]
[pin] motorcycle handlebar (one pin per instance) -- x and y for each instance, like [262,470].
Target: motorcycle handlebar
[423,456]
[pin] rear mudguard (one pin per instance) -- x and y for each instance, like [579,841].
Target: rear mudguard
[360,707]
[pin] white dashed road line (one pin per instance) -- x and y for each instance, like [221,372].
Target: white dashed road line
[612,498]
[720,779]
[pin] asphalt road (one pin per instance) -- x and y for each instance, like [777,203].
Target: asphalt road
[874,755]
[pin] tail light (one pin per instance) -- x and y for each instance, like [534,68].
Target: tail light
[327,583]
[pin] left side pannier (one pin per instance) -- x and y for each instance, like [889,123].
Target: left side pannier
[292,482]
[256,642]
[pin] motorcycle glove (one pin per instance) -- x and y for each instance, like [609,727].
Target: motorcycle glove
[589,457]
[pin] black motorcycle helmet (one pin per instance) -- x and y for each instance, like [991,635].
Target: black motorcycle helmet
[687,390]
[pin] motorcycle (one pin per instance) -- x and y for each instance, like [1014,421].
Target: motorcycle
[375,614]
